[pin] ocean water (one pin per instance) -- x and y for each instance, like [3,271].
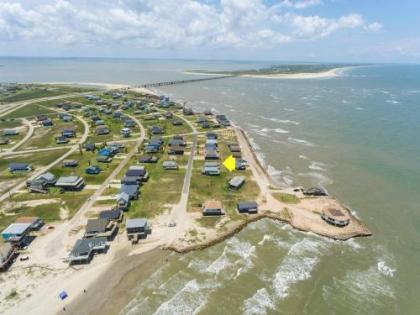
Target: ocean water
[356,135]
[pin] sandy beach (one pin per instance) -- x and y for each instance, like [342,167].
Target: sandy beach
[108,277]
[293,76]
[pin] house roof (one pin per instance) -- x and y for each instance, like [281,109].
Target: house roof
[212,204]
[237,181]
[84,246]
[169,163]
[245,205]
[123,196]
[136,223]
[176,148]
[96,225]
[16,228]
[130,189]
[68,180]
[110,214]
[19,166]
[337,214]
[211,164]
[47,176]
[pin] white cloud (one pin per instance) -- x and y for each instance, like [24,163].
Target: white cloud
[302,4]
[311,27]
[373,27]
[168,23]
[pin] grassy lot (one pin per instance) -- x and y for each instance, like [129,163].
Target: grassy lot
[44,137]
[29,111]
[13,140]
[286,198]
[71,201]
[9,123]
[216,187]
[161,190]
[39,91]
[84,160]
[38,160]
[114,125]
[167,126]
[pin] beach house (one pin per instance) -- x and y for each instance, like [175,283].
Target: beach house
[137,229]
[211,168]
[132,190]
[84,250]
[19,167]
[70,163]
[170,165]
[212,208]
[100,228]
[247,207]
[111,215]
[41,183]
[16,232]
[337,217]
[148,159]
[123,201]
[236,182]
[70,183]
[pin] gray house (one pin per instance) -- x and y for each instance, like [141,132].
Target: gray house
[70,183]
[84,250]
[137,229]
[236,182]
[212,207]
[123,201]
[100,228]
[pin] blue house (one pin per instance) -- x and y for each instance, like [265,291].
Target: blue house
[19,167]
[93,170]
[15,232]
[47,123]
[68,133]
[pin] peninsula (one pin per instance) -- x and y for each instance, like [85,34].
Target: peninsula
[94,174]
[289,71]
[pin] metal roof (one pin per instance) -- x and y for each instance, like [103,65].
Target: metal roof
[17,228]
[246,205]
[110,214]
[96,225]
[136,223]
[237,181]
[68,180]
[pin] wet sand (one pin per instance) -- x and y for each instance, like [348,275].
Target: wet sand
[109,294]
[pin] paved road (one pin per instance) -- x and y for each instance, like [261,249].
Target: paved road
[21,142]
[52,164]
[16,153]
[178,213]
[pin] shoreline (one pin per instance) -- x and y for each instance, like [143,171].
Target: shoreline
[110,294]
[293,76]
[103,279]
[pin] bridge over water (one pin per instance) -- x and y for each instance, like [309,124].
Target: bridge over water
[156,84]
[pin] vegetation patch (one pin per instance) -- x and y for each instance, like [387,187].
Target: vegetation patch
[286,198]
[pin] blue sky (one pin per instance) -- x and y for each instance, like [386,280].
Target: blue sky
[287,30]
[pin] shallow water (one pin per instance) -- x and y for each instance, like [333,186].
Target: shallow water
[355,134]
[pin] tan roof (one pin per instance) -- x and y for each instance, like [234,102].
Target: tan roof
[338,214]
[212,204]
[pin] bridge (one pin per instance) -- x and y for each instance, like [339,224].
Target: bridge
[157,84]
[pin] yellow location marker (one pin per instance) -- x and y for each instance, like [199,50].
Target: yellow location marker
[230,163]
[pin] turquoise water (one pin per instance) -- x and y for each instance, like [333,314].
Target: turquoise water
[357,135]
